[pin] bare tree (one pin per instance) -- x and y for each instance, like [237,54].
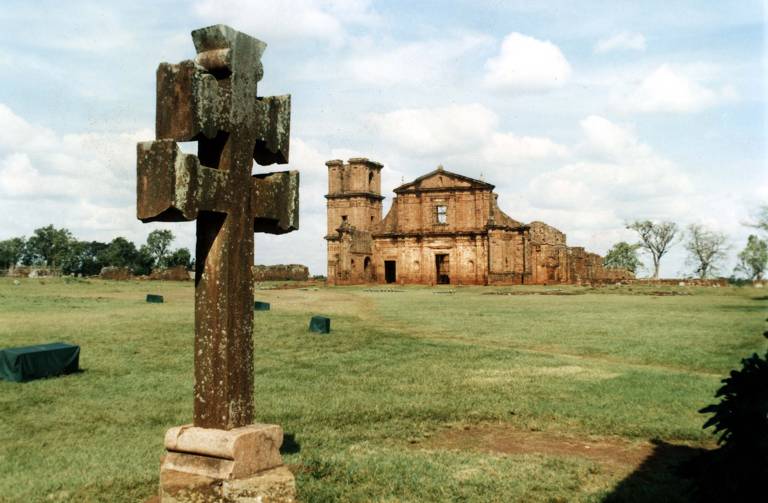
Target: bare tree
[655,238]
[705,249]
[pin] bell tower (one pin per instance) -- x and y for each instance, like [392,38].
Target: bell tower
[353,208]
[354,194]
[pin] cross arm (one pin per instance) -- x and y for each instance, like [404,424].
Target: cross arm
[173,187]
[273,130]
[275,202]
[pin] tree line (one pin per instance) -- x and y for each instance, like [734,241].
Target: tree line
[59,249]
[706,248]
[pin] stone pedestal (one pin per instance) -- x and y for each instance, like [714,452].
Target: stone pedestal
[239,465]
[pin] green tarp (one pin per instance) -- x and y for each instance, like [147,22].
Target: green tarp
[320,324]
[154,299]
[260,306]
[34,362]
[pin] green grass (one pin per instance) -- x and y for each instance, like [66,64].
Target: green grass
[370,405]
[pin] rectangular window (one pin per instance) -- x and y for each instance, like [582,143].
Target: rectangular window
[441,213]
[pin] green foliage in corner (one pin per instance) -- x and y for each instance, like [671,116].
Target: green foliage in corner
[741,417]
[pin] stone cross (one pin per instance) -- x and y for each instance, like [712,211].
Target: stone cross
[213,100]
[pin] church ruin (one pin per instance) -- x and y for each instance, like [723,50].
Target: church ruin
[442,228]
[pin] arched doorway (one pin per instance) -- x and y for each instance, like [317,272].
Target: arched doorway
[367,275]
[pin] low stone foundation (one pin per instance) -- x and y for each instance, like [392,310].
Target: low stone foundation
[175,273]
[281,272]
[115,273]
[239,465]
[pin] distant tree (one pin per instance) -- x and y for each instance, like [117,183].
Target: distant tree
[71,261]
[655,238]
[84,257]
[180,256]
[623,256]
[158,244]
[11,252]
[145,261]
[753,259]
[705,249]
[48,245]
[118,253]
[762,219]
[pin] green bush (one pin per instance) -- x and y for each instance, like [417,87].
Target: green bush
[741,417]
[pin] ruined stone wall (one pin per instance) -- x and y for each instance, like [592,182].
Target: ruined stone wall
[541,233]
[507,257]
[418,212]
[442,214]
[548,257]
[357,175]
[577,267]
[350,257]
[353,209]
[549,264]
[281,272]
[360,212]
[175,273]
[416,259]
[115,273]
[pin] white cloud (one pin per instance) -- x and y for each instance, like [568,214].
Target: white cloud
[509,148]
[672,89]
[92,172]
[289,20]
[623,41]
[445,130]
[527,64]
[414,63]
[615,179]
[612,140]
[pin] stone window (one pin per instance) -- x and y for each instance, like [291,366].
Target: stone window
[441,214]
[343,219]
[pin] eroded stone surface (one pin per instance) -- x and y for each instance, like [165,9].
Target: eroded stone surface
[213,100]
[270,486]
[442,228]
[224,454]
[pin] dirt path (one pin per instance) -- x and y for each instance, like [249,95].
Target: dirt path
[616,455]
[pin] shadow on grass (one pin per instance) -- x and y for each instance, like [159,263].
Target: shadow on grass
[290,445]
[679,473]
[660,477]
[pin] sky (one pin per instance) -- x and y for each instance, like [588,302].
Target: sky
[584,115]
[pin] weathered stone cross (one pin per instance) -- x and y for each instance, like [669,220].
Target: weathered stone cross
[213,101]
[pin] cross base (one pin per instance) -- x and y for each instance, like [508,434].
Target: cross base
[238,465]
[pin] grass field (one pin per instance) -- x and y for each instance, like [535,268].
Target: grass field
[579,395]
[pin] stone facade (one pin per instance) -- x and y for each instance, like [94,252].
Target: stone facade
[442,228]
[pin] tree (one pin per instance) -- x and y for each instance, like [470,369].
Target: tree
[144,261]
[84,258]
[11,252]
[705,249]
[180,257]
[753,259]
[119,253]
[762,219]
[92,263]
[655,238]
[158,243]
[623,256]
[47,246]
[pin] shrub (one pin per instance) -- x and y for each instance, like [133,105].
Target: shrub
[741,417]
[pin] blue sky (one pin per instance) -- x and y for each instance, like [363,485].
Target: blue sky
[584,115]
